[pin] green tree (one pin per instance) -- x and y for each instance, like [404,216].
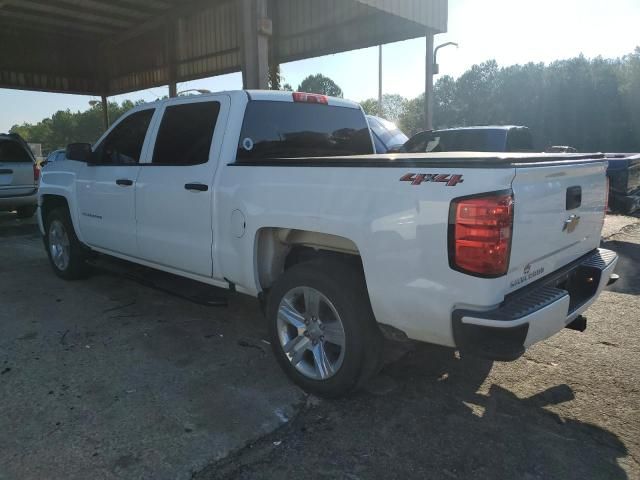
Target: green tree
[64,126]
[320,84]
[393,106]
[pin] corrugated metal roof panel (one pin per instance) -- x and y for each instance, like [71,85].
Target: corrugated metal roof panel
[89,46]
[430,13]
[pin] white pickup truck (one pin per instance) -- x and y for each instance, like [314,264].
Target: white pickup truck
[278,196]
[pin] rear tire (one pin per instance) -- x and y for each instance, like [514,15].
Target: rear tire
[337,349]
[68,257]
[26,212]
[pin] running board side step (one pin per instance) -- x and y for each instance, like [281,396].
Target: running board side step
[192,290]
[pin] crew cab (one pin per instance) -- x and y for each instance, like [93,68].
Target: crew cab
[279,196]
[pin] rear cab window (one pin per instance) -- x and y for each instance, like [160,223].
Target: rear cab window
[276,129]
[12,152]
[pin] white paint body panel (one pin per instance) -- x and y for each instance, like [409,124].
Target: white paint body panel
[540,213]
[400,230]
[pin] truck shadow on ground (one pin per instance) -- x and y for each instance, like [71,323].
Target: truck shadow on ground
[445,418]
[627,266]
[11,225]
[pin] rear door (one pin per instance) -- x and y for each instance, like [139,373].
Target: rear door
[16,170]
[106,190]
[558,217]
[174,201]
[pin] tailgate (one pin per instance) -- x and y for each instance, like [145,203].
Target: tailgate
[558,217]
[16,178]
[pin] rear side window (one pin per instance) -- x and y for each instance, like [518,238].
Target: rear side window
[294,130]
[123,145]
[13,152]
[186,133]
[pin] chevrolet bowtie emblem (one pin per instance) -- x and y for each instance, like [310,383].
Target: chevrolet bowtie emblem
[571,223]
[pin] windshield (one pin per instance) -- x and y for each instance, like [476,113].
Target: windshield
[387,132]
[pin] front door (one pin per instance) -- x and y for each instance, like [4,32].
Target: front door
[174,198]
[106,188]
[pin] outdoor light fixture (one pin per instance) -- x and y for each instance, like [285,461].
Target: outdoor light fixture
[436,67]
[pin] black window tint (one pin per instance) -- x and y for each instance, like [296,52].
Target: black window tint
[293,130]
[11,151]
[186,133]
[124,144]
[519,140]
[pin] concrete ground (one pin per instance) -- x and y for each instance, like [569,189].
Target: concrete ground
[107,378]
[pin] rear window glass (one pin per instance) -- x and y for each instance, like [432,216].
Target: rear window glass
[294,130]
[11,151]
[186,133]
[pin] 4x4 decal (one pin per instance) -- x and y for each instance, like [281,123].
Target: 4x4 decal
[420,178]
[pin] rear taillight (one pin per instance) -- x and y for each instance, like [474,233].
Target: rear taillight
[310,98]
[36,173]
[480,229]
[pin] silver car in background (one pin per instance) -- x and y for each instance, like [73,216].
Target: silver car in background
[19,176]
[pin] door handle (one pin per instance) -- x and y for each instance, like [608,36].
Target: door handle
[196,187]
[5,171]
[124,182]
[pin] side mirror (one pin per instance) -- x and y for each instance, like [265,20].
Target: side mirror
[80,152]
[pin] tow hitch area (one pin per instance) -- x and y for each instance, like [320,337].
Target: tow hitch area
[579,324]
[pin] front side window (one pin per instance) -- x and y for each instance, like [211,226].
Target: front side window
[284,130]
[123,145]
[186,133]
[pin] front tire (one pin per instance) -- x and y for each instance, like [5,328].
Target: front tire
[322,329]
[68,257]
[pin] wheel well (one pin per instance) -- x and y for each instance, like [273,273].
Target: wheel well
[278,249]
[50,203]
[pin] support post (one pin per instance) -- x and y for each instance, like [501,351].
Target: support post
[256,31]
[380,81]
[428,88]
[171,47]
[105,112]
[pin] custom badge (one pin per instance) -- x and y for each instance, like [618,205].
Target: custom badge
[419,178]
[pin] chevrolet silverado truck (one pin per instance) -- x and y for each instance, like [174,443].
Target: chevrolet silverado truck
[279,196]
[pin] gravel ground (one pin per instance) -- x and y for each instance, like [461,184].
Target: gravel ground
[110,379]
[569,409]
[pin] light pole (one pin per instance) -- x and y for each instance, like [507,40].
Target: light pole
[432,69]
[380,81]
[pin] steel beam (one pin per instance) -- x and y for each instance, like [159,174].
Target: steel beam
[256,32]
[70,13]
[48,21]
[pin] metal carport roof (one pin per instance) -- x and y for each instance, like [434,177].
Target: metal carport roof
[108,47]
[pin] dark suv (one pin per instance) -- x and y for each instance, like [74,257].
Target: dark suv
[472,139]
[19,176]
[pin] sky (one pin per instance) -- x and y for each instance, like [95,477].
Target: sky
[509,31]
